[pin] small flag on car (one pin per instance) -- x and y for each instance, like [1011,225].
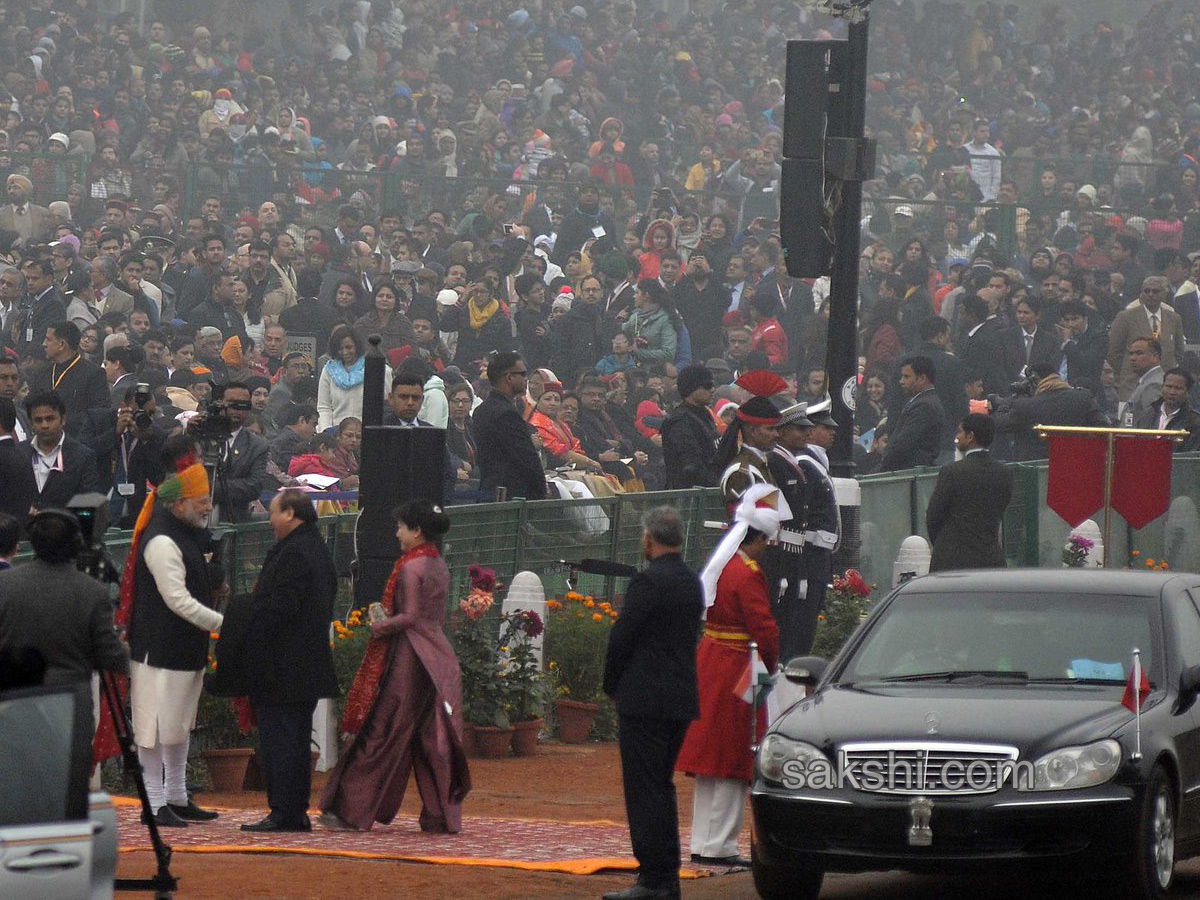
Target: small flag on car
[1135,697]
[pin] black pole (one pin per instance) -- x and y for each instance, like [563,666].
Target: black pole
[842,353]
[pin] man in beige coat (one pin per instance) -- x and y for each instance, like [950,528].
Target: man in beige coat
[1148,317]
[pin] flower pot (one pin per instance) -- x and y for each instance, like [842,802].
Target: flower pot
[492,742]
[525,737]
[575,720]
[227,767]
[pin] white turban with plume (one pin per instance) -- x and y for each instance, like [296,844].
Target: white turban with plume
[762,507]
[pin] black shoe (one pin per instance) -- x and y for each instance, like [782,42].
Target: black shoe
[192,813]
[641,892]
[165,818]
[269,825]
[728,861]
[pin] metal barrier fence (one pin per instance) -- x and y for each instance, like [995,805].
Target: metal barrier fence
[537,536]
[894,508]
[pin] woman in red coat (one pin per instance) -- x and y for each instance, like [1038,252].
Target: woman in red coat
[717,747]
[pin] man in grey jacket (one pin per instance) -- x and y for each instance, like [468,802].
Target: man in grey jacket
[49,606]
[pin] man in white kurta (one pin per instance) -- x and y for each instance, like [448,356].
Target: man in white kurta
[172,619]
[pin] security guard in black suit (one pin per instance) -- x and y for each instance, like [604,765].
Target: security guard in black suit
[783,562]
[824,524]
[650,672]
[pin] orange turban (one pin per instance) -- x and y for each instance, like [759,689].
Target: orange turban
[190,483]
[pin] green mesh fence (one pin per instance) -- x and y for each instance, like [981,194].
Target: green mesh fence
[518,536]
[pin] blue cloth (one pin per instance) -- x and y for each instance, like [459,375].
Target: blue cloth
[347,378]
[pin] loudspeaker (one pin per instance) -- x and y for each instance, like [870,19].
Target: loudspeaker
[398,464]
[806,98]
[805,220]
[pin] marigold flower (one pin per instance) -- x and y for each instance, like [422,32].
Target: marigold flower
[1149,562]
[574,595]
[597,617]
[1136,553]
[214,635]
[820,618]
[589,603]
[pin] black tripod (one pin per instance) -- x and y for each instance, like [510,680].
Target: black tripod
[97,563]
[162,882]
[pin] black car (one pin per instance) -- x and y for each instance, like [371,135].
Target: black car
[976,720]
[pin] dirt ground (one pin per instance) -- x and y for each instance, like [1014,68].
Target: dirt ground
[563,783]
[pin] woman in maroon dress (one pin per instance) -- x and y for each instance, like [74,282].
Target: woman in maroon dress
[405,705]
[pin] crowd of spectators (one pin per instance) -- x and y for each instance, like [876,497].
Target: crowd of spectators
[223,201]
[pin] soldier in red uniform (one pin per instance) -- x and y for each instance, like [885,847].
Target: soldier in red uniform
[717,747]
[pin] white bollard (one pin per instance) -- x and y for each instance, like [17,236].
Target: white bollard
[325,734]
[526,592]
[913,559]
[1091,531]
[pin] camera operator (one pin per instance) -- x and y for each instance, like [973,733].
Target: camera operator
[128,447]
[1046,400]
[243,476]
[49,606]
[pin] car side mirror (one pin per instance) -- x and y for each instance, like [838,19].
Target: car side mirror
[805,670]
[1189,681]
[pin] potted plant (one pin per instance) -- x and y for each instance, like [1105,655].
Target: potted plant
[486,692]
[845,607]
[576,641]
[530,689]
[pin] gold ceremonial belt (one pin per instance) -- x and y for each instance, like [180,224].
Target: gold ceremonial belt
[724,634]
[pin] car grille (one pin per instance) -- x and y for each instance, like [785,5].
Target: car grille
[926,767]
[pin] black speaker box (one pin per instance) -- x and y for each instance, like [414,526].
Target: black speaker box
[398,464]
[805,229]
[806,99]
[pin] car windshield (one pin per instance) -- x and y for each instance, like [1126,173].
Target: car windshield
[1036,637]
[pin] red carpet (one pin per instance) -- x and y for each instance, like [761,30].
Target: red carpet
[579,848]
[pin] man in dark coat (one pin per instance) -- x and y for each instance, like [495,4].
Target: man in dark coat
[650,672]
[580,331]
[506,455]
[983,349]
[916,436]
[1084,346]
[81,384]
[50,606]
[62,466]
[948,377]
[245,470]
[689,434]
[128,456]
[48,307]
[1054,402]
[1173,412]
[16,474]
[284,655]
[968,503]
[583,223]
[1028,342]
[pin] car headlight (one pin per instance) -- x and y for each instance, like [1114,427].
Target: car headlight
[784,761]
[1075,767]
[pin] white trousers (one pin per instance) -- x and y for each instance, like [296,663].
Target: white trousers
[718,810]
[164,768]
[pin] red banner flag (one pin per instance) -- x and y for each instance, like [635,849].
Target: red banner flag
[1135,699]
[1076,486]
[1141,488]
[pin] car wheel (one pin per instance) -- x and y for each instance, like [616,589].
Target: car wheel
[795,881]
[1151,872]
